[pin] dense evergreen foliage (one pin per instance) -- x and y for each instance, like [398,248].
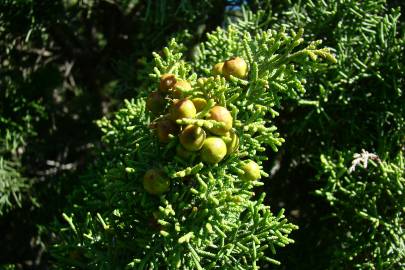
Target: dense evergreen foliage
[335,162]
[209,218]
[354,106]
[63,65]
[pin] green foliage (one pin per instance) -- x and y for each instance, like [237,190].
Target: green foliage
[64,64]
[370,52]
[17,119]
[210,217]
[353,105]
[368,203]
[12,186]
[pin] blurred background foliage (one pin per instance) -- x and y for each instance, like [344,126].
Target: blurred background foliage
[65,64]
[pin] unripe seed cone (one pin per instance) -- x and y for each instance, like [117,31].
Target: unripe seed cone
[192,138]
[217,69]
[183,108]
[252,171]
[213,150]
[167,81]
[236,67]
[221,114]
[199,103]
[180,87]
[155,102]
[155,182]
[165,127]
[182,152]
[233,144]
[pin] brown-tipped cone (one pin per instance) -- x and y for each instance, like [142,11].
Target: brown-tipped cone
[164,128]
[167,82]
[236,67]
[221,114]
[183,108]
[155,103]
[180,88]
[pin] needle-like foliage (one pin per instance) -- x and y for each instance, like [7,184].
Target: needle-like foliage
[17,118]
[354,105]
[211,217]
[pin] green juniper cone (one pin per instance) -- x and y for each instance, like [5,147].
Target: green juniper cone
[221,114]
[213,150]
[155,182]
[165,128]
[192,137]
[251,171]
[199,103]
[210,217]
[217,69]
[183,108]
[180,88]
[182,152]
[235,66]
[232,142]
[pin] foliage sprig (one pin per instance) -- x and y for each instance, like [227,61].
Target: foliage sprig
[210,217]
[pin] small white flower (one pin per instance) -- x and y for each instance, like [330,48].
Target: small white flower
[362,159]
